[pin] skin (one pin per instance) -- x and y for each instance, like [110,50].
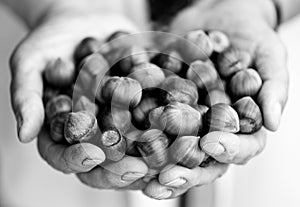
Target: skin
[249,25]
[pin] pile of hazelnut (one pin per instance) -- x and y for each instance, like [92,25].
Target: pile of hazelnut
[129,101]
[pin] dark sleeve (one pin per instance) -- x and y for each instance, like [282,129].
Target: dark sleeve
[164,10]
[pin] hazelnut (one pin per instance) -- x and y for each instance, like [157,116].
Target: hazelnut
[57,105]
[233,60]
[87,47]
[153,145]
[92,72]
[94,64]
[59,73]
[98,86]
[80,126]
[154,118]
[186,152]
[203,74]
[195,46]
[57,125]
[245,83]
[113,117]
[131,140]
[141,112]
[113,144]
[202,109]
[132,57]
[180,119]
[148,75]
[222,117]
[49,93]
[116,35]
[84,104]
[122,92]
[217,96]
[171,60]
[250,116]
[219,40]
[176,89]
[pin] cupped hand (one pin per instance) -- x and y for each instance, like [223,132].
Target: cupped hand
[87,161]
[175,180]
[56,36]
[250,27]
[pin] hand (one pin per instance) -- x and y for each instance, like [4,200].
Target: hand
[57,35]
[249,25]
[176,180]
[85,160]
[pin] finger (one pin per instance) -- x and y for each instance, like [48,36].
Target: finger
[81,157]
[115,175]
[271,64]
[181,177]
[231,148]
[158,191]
[26,93]
[137,185]
[176,180]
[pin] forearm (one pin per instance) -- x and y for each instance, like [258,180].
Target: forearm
[31,11]
[288,8]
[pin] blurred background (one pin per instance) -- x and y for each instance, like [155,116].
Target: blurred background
[272,179]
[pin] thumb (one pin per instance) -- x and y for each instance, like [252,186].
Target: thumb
[271,64]
[26,93]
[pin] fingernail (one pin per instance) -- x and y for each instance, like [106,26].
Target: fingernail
[91,162]
[165,195]
[277,111]
[177,182]
[214,149]
[132,176]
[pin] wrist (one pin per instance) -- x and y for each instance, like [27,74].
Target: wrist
[108,17]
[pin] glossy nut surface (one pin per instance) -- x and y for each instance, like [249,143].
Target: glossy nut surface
[222,117]
[245,83]
[176,89]
[195,46]
[57,125]
[203,74]
[233,60]
[58,104]
[171,60]
[217,96]
[59,73]
[148,75]
[87,47]
[186,152]
[181,119]
[153,145]
[250,115]
[113,117]
[85,104]
[122,92]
